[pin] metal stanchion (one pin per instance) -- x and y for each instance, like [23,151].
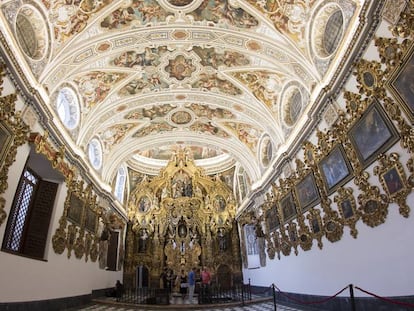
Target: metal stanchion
[351,294]
[274,296]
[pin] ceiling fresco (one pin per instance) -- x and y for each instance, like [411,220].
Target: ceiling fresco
[142,77]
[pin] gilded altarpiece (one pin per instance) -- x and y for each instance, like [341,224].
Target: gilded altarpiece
[182,219]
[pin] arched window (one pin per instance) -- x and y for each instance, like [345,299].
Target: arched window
[67,106]
[120,184]
[95,153]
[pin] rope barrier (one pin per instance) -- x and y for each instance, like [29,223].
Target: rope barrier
[386,299]
[339,292]
[311,302]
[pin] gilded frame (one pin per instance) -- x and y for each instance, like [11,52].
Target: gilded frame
[372,134]
[335,169]
[392,181]
[6,140]
[401,83]
[91,219]
[75,209]
[288,207]
[347,208]
[272,218]
[307,193]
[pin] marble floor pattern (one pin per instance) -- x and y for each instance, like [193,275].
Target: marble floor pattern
[263,306]
[179,304]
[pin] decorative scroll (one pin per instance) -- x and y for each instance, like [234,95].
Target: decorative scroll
[13,133]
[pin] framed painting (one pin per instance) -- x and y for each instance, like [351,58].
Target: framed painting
[372,134]
[401,84]
[307,192]
[6,139]
[90,220]
[272,219]
[347,208]
[393,181]
[315,225]
[335,169]
[288,207]
[144,204]
[75,209]
[219,203]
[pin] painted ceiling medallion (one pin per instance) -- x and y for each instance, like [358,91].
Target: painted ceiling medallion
[180,67]
[103,47]
[253,45]
[181,97]
[181,117]
[31,32]
[180,35]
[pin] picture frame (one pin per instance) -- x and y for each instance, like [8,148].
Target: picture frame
[307,193]
[347,208]
[335,169]
[75,209]
[90,220]
[392,181]
[6,140]
[272,219]
[144,204]
[372,134]
[315,225]
[220,203]
[401,84]
[288,207]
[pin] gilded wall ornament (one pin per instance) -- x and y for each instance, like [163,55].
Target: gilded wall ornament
[71,238]
[13,133]
[315,224]
[276,243]
[347,208]
[373,206]
[404,27]
[369,77]
[293,236]
[390,52]
[410,166]
[393,180]
[79,246]
[285,243]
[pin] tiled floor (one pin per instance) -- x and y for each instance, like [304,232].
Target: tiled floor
[176,303]
[264,306]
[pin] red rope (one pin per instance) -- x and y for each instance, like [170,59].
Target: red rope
[387,299]
[311,302]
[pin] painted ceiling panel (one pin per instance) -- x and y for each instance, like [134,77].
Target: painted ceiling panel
[219,77]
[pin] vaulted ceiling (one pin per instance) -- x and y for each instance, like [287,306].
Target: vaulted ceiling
[232,80]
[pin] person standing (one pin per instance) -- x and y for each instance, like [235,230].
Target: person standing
[205,277]
[183,284]
[119,290]
[170,280]
[205,284]
[163,278]
[191,284]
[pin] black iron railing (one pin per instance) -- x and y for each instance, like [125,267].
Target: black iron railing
[216,294]
[211,294]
